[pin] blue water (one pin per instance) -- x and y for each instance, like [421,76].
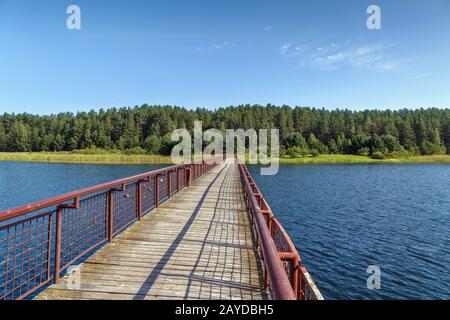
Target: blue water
[343,218]
[26,182]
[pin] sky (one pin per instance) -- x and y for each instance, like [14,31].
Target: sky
[214,53]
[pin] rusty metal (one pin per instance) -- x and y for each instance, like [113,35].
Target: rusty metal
[40,241]
[283,270]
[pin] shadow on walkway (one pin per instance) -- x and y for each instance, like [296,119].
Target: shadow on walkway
[146,287]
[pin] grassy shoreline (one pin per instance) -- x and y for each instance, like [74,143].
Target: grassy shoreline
[349,159]
[71,157]
[119,158]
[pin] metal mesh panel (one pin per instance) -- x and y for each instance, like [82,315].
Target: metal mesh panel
[148,195]
[182,178]
[280,240]
[83,228]
[305,290]
[173,182]
[163,191]
[197,171]
[28,247]
[25,255]
[124,207]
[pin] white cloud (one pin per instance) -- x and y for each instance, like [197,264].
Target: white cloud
[331,57]
[285,48]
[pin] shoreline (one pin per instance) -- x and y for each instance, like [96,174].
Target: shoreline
[118,158]
[355,159]
[67,157]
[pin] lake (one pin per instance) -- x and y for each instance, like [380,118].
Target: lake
[25,182]
[342,218]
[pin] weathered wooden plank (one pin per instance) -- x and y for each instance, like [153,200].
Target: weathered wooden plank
[197,245]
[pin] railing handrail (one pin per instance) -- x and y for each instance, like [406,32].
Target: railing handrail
[38,205]
[281,286]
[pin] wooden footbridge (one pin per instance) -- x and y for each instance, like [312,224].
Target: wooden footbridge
[197,231]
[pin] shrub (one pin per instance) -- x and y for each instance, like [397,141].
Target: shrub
[363,152]
[315,153]
[91,150]
[378,155]
[135,150]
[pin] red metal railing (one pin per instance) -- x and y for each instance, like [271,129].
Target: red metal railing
[40,241]
[283,270]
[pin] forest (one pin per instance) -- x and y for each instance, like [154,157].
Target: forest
[303,131]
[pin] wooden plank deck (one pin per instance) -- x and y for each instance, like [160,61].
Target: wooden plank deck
[197,245]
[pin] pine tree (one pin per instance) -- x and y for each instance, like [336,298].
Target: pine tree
[18,138]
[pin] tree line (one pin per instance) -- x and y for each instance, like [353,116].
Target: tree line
[303,131]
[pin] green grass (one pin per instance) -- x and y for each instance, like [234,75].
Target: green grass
[73,157]
[347,158]
[117,157]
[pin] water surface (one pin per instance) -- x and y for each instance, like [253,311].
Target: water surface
[26,182]
[343,218]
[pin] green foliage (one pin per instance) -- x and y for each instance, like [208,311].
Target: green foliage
[363,151]
[315,153]
[391,143]
[135,150]
[378,155]
[410,132]
[295,152]
[152,144]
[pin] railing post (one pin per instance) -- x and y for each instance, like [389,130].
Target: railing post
[157,190]
[178,179]
[139,199]
[58,244]
[295,272]
[110,214]
[301,286]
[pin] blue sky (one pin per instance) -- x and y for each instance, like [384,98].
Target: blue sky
[223,52]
